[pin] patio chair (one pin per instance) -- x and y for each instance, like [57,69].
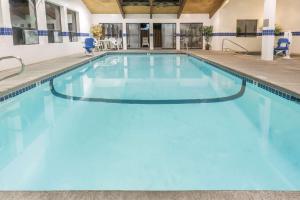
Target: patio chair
[282,46]
[119,43]
[186,43]
[99,46]
[114,43]
[145,42]
[89,45]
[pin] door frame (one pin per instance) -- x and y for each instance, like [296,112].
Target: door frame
[174,36]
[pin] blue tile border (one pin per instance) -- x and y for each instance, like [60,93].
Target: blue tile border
[224,34]
[64,34]
[296,33]
[83,34]
[268,32]
[8,32]
[43,32]
[233,34]
[5,31]
[257,83]
[264,33]
[17,92]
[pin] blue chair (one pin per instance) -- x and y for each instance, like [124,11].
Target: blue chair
[89,45]
[282,46]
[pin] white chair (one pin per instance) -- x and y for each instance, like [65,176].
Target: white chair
[114,43]
[119,43]
[106,43]
[186,42]
[99,45]
[145,42]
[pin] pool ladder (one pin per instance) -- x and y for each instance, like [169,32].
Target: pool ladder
[14,74]
[234,43]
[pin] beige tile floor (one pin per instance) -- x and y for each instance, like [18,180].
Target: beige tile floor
[132,195]
[39,71]
[281,73]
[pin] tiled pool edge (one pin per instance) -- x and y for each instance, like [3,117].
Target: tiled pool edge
[275,89]
[13,92]
[269,87]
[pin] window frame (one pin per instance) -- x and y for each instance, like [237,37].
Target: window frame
[174,26]
[72,34]
[60,21]
[245,33]
[36,29]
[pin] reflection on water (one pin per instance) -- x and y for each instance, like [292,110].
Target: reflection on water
[142,77]
[49,143]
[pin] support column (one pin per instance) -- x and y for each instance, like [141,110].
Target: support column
[151,40]
[124,36]
[5,14]
[268,35]
[41,22]
[178,36]
[64,23]
[6,39]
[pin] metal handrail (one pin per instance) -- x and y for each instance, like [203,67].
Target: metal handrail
[223,42]
[15,74]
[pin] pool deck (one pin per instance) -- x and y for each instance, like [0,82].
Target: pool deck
[281,73]
[39,71]
[132,195]
[284,74]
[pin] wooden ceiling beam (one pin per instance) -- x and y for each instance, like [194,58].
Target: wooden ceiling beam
[216,8]
[121,8]
[181,7]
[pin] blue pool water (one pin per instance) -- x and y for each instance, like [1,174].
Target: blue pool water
[149,122]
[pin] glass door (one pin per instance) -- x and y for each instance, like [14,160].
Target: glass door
[133,36]
[191,35]
[112,30]
[168,36]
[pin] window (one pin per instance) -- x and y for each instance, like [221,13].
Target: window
[246,28]
[53,23]
[24,23]
[191,35]
[112,30]
[72,26]
[133,35]
[168,33]
[164,35]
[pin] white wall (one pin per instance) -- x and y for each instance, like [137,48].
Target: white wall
[226,18]
[225,21]
[1,14]
[287,17]
[44,50]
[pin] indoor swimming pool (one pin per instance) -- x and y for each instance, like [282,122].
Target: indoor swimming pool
[149,122]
